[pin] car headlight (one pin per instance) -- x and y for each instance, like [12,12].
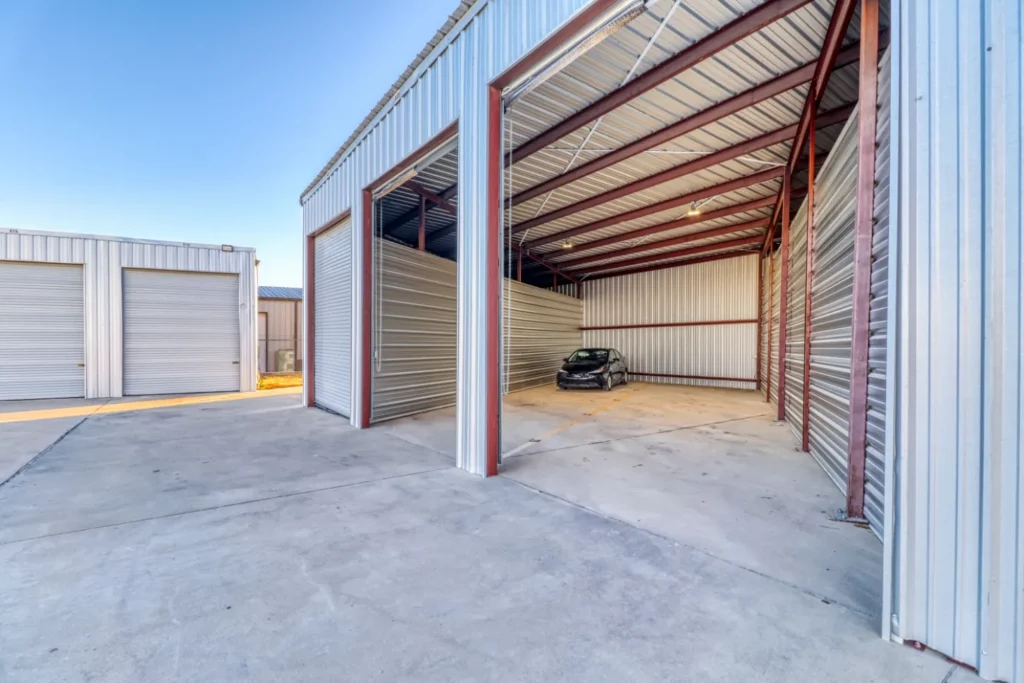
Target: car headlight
[562,372]
[599,371]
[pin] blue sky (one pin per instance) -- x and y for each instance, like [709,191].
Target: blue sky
[189,121]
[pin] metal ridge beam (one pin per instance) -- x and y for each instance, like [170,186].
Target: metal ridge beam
[670,242]
[730,34]
[679,253]
[829,118]
[673,264]
[734,104]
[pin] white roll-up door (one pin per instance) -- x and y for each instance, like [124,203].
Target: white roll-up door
[332,319]
[42,331]
[181,332]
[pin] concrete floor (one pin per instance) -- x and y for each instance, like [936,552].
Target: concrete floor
[255,540]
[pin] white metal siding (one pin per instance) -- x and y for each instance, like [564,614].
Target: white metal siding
[42,331]
[262,348]
[102,260]
[835,199]
[180,332]
[795,322]
[713,291]
[452,84]
[332,319]
[541,328]
[874,471]
[960,393]
[414,318]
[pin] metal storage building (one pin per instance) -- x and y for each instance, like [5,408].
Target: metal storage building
[279,326]
[705,185]
[101,317]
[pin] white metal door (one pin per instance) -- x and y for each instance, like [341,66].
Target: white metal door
[332,319]
[42,331]
[181,332]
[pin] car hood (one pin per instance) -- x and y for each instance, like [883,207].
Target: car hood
[583,366]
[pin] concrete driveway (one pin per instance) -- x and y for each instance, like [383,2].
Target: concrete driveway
[258,541]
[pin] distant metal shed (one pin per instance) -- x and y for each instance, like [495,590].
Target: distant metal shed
[103,317]
[279,328]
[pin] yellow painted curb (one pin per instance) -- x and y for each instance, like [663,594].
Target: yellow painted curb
[108,408]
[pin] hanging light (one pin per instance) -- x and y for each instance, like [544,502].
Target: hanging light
[567,245]
[694,211]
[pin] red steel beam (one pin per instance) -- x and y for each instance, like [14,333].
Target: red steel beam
[787,196]
[681,253]
[734,104]
[678,223]
[728,35]
[697,323]
[404,218]
[671,242]
[547,264]
[422,233]
[673,264]
[830,118]
[805,437]
[658,207]
[437,199]
[866,131]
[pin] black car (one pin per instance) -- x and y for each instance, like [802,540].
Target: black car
[602,368]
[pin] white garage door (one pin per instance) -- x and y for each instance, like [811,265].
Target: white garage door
[181,332]
[42,331]
[332,319]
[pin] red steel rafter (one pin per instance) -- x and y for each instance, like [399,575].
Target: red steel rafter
[748,98]
[681,253]
[728,35]
[661,244]
[832,117]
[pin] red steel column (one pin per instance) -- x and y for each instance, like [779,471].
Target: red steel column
[771,312]
[862,256]
[423,224]
[760,309]
[809,270]
[308,355]
[519,266]
[783,292]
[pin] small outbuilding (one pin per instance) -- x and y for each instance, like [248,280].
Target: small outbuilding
[279,325]
[104,317]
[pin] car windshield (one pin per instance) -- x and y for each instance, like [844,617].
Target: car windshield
[589,355]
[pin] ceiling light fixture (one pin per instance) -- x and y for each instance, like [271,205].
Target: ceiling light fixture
[694,211]
[567,245]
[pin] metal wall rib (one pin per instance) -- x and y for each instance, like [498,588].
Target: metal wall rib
[832,296]
[103,259]
[414,318]
[795,322]
[766,321]
[874,474]
[717,290]
[960,393]
[541,328]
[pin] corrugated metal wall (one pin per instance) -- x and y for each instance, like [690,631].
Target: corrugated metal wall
[284,330]
[766,321]
[713,291]
[451,84]
[835,203]
[541,328]
[795,322]
[414,317]
[103,258]
[960,525]
[773,349]
[874,471]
